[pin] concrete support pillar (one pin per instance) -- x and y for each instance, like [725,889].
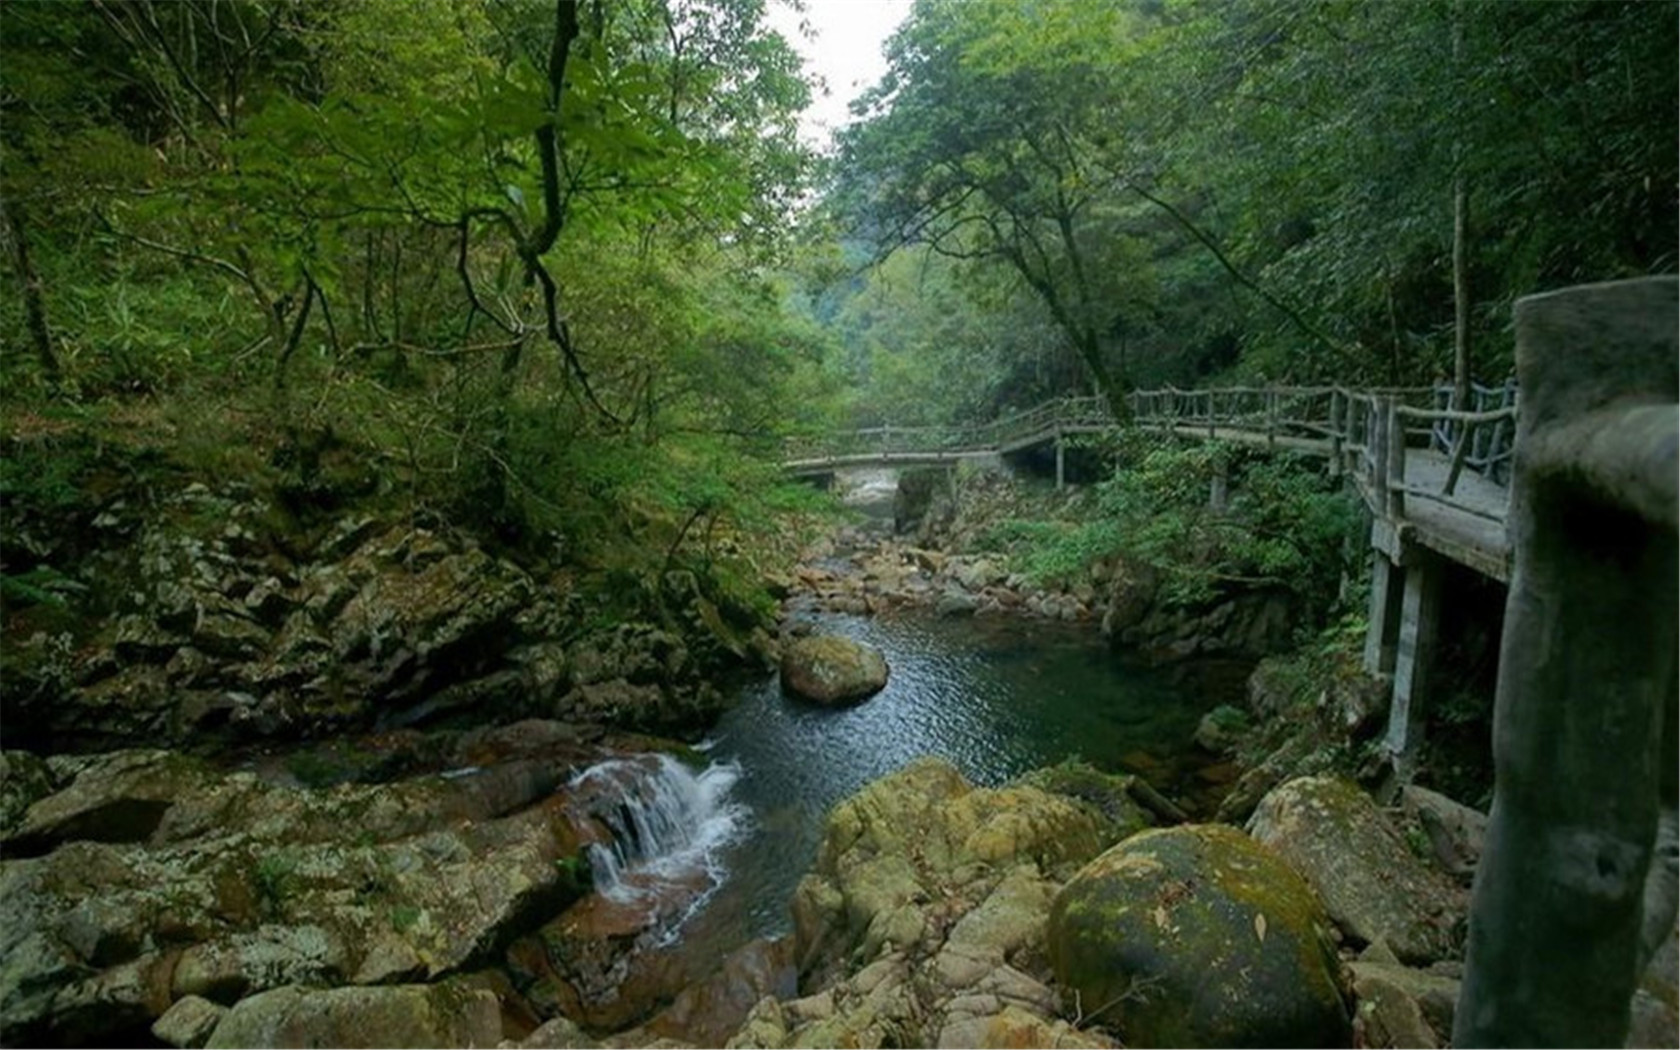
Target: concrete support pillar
[1586,671]
[1382,634]
[1420,609]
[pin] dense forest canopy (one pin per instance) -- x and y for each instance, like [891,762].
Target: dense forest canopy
[548,258]
[1186,191]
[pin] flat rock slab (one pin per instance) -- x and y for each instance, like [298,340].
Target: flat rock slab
[829,669]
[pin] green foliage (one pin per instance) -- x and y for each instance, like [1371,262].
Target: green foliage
[275,880]
[1231,719]
[43,476]
[576,876]
[1265,187]
[1284,524]
[404,917]
[42,585]
[350,207]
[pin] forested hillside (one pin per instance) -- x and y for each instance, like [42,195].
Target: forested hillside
[527,254]
[1146,193]
[520,259]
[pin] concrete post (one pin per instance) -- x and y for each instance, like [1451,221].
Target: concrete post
[1394,469]
[1382,634]
[1420,607]
[1337,432]
[1219,488]
[1061,463]
[1587,669]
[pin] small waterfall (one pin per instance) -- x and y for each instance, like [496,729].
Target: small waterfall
[666,823]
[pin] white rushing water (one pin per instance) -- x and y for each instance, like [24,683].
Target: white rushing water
[668,823]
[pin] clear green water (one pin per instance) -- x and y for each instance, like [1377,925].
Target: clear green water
[995,697]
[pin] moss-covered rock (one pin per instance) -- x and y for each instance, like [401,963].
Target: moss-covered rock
[24,778]
[1373,885]
[1197,936]
[393,1015]
[235,885]
[121,796]
[1105,795]
[833,670]
[922,921]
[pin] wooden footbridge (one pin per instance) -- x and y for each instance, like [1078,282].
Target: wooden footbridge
[1429,474]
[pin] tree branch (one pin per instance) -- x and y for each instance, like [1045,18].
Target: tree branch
[1247,282]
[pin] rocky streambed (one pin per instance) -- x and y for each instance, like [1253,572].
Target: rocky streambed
[808,878]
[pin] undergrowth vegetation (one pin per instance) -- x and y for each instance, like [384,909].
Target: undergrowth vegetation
[1206,517]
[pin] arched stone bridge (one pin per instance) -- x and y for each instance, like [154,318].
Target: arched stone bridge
[1571,498]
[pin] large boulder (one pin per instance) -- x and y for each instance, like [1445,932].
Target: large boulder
[120,796]
[922,920]
[1373,885]
[1197,936]
[833,670]
[392,1015]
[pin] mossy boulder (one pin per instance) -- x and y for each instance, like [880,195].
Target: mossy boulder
[1197,936]
[922,920]
[833,670]
[1374,886]
[392,1015]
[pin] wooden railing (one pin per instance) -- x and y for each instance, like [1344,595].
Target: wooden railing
[1369,433]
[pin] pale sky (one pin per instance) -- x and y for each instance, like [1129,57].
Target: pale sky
[845,52]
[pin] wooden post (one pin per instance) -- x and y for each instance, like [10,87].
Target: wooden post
[1210,397]
[1587,673]
[1061,472]
[1219,487]
[1393,467]
[1271,418]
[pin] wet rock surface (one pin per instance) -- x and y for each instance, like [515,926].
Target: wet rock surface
[158,880]
[829,669]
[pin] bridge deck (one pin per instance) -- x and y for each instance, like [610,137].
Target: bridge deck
[1470,530]
[1467,526]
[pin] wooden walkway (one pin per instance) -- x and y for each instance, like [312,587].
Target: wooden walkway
[1398,446]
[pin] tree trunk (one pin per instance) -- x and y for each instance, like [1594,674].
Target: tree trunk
[1461,242]
[1461,294]
[34,303]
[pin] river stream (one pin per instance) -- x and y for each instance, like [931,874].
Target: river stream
[996,697]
